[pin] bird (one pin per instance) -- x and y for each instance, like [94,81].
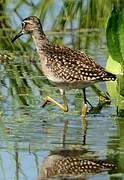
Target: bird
[64,67]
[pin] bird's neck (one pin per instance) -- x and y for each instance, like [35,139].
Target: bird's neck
[40,40]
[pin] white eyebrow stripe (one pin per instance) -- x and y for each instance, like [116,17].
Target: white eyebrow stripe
[26,21]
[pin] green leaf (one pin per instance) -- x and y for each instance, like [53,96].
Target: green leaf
[115,63]
[113,66]
[116,88]
[120,86]
[115,35]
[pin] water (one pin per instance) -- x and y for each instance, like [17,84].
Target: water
[28,133]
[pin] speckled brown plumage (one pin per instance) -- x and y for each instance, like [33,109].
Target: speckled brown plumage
[71,165]
[73,65]
[57,165]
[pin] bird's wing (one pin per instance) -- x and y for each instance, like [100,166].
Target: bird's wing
[73,65]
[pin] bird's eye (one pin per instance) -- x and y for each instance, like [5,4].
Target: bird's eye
[23,24]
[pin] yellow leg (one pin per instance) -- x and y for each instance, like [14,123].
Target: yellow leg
[84,121]
[84,111]
[64,107]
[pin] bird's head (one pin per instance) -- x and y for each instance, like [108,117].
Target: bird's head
[29,25]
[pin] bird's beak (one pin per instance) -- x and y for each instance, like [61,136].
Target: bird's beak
[17,36]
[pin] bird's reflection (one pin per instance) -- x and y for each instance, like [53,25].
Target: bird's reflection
[72,164]
[84,132]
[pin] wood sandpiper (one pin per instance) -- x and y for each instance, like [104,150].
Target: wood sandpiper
[64,67]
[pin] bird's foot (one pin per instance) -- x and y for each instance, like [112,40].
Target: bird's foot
[48,100]
[105,98]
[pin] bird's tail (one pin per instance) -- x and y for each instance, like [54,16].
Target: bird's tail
[109,77]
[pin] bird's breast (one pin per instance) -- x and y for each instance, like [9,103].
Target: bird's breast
[48,71]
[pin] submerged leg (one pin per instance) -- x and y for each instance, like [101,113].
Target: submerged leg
[64,107]
[84,109]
